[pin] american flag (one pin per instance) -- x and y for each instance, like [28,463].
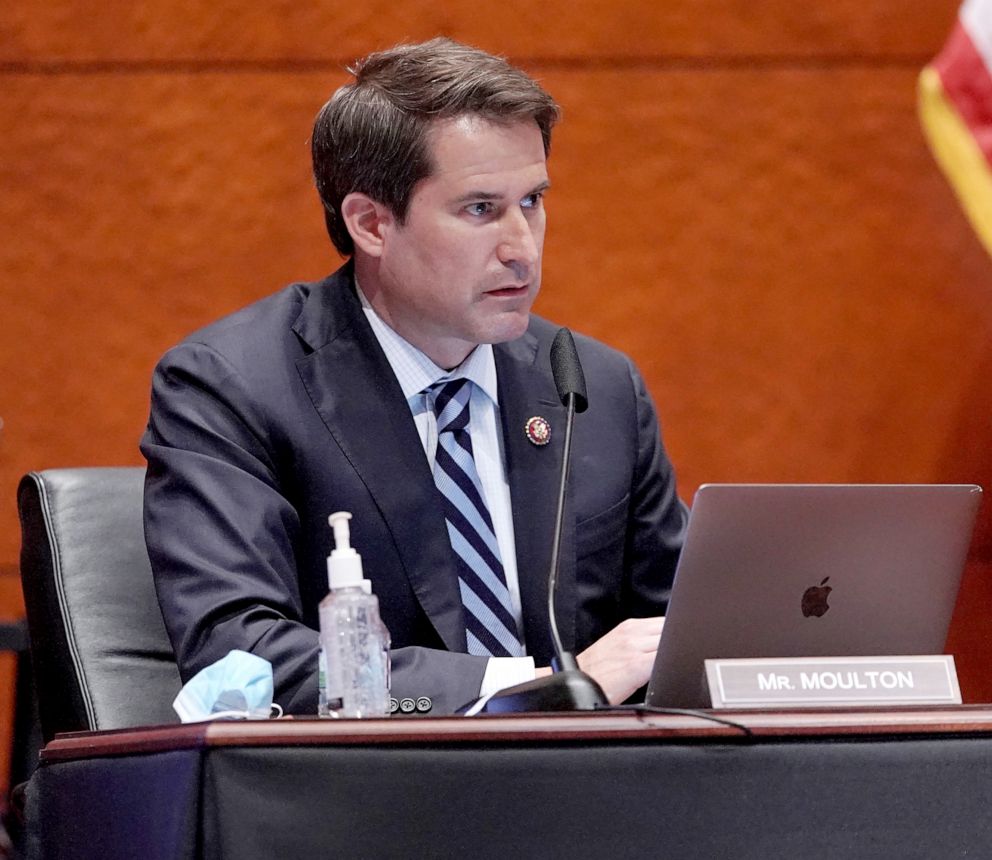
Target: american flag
[955,103]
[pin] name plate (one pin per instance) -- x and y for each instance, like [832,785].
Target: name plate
[817,682]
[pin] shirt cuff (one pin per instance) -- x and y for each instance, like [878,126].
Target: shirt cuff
[505,672]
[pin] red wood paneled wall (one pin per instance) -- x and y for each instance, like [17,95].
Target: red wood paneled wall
[743,201]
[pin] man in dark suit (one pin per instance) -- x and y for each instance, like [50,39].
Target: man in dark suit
[431,167]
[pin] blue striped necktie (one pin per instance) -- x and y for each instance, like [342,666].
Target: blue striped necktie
[489,625]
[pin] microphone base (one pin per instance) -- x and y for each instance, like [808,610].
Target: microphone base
[570,690]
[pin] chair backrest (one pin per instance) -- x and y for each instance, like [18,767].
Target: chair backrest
[101,656]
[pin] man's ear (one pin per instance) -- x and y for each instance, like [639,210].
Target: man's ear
[365,220]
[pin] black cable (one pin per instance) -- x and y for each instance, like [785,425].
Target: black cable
[680,712]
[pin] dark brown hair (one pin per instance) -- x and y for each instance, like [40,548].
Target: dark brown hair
[370,137]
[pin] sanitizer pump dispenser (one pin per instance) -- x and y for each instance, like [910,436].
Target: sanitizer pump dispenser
[354,643]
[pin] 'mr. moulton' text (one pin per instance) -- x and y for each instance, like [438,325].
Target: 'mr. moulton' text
[863,680]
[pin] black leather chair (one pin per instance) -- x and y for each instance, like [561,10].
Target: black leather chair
[101,656]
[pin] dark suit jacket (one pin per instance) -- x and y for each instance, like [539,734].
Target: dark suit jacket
[269,420]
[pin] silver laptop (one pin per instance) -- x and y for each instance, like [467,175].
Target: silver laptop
[799,570]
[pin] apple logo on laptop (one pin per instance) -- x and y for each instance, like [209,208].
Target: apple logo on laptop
[815,599]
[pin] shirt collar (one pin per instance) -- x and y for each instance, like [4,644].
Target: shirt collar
[415,371]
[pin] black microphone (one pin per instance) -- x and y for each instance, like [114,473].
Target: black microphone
[567,372]
[571,384]
[568,688]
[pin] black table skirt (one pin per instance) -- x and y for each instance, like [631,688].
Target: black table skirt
[871,798]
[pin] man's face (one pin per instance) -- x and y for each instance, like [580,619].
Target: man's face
[465,266]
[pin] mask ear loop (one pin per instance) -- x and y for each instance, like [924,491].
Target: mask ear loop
[275,712]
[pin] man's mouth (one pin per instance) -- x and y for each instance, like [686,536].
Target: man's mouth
[509,291]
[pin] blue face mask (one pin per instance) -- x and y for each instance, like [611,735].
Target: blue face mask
[238,686]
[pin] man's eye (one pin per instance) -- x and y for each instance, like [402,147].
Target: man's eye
[483,208]
[532,201]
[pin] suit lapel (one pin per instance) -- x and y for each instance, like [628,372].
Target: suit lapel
[527,389]
[360,401]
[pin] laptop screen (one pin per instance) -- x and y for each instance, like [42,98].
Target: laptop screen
[798,570]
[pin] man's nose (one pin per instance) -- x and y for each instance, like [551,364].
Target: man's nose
[518,246]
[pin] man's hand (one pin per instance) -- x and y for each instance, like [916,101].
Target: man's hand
[621,661]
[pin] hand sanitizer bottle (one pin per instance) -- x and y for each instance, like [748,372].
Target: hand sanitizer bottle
[354,663]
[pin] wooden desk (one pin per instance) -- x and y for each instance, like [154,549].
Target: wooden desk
[849,784]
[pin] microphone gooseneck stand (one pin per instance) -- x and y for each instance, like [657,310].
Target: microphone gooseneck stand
[568,688]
